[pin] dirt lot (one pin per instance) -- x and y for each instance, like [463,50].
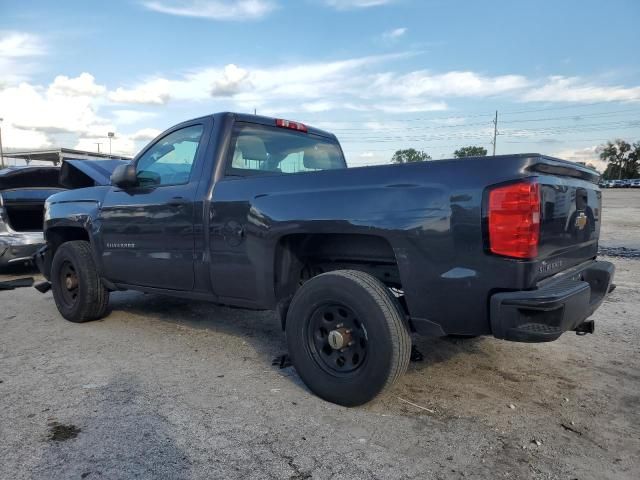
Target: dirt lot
[165,388]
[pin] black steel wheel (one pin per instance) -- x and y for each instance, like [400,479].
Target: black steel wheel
[347,336]
[77,289]
[68,280]
[337,339]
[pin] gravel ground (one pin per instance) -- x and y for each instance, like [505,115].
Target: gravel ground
[165,388]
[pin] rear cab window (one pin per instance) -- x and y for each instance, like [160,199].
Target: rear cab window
[259,149]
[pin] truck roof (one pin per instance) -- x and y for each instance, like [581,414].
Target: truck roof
[268,121]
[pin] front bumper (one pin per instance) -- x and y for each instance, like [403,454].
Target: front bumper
[559,304]
[19,247]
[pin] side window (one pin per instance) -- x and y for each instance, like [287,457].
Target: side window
[170,160]
[262,149]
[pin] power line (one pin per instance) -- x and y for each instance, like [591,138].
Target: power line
[564,107]
[478,114]
[508,132]
[569,117]
[462,125]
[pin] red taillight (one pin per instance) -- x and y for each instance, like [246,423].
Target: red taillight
[514,220]
[300,127]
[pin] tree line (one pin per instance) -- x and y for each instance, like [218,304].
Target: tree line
[411,155]
[622,158]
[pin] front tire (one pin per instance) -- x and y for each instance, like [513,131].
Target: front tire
[347,336]
[77,289]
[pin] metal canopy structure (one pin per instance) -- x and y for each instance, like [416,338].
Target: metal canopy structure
[58,155]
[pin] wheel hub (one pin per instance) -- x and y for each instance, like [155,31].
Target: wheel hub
[339,338]
[71,282]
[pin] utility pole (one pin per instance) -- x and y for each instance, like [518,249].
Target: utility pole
[110,135]
[98,144]
[1,152]
[495,133]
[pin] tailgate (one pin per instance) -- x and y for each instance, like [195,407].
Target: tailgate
[570,215]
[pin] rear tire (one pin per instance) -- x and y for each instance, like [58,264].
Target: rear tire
[347,337]
[77,289]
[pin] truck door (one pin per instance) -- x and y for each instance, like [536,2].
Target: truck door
[147,231]
[250,203]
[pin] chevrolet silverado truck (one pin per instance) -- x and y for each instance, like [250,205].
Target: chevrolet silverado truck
[263,213]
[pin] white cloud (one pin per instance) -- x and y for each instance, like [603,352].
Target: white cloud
[410,107]
[82,109]
[49,110]
[575,89]
[20,44]
[121,144]
[66,110]
[146,134]
[366,155]
[349,4]
[23,139]
[238,10]
[230,82]
[83,85]
[127,117]
[587,155]
[451,84]
[16,50]
[153,92]
[353,84]
[320,106]
[248,88]
[395,33]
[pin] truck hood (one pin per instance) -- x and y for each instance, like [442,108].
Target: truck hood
[87,173]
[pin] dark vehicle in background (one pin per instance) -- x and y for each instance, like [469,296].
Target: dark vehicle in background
[263,213]
[23,191]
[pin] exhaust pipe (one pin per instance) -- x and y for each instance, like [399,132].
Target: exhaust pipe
[585,327]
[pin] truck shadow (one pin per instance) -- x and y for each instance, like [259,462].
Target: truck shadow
[261,329]
[468,375]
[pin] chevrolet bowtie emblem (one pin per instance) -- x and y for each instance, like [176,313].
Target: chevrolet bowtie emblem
[581,221]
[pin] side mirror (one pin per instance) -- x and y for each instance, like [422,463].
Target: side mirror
[124,176]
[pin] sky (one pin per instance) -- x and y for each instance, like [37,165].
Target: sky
[382,75]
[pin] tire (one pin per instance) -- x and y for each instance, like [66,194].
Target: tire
[77,289]
[367,317]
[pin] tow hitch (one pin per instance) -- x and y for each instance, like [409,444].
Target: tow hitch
[585,327]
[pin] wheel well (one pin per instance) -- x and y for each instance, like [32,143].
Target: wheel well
[300,257]
[56,236]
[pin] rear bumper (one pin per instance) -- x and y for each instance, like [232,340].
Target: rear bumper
[559,304]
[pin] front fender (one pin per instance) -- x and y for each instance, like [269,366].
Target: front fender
[71,215]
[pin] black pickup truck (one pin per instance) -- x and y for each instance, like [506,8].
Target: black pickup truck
[263,213]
